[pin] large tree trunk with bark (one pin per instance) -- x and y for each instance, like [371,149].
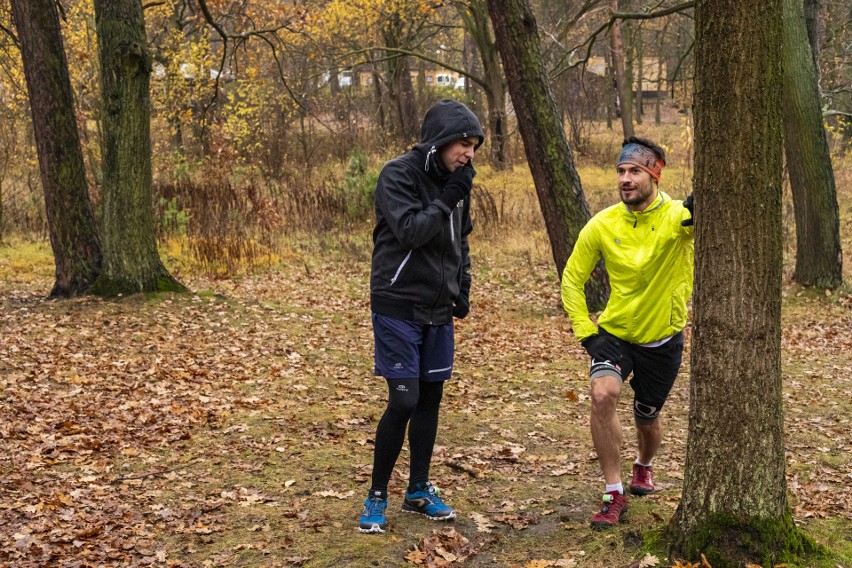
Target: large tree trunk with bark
[734,504]
[819,256]
[400,88]
[623,88]
[131,260]
[812,24]
[378,92]
[70,219]
[556,180]
[639,52]
[475,17]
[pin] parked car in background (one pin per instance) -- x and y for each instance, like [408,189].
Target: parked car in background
[444,80]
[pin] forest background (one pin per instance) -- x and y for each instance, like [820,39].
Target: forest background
[234,426]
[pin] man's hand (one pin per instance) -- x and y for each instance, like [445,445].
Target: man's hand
[687,203]
[603,348]
[461,307]
[458,186]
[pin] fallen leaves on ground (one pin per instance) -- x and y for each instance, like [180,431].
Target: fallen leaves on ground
[151,431]
[446,547]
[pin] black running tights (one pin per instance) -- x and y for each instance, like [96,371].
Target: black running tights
[414,403]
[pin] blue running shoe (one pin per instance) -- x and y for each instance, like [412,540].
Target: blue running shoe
[373,518]
[425,501]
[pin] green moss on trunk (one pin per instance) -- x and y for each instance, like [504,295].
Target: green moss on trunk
[113,287]
[729,542]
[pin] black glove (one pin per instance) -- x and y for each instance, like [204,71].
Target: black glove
[603,348]
[458,186]
[462,306]
[689,206]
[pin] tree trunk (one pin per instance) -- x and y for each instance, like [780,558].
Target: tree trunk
[409,117]
[734,505]
[811,13]
[658,96]
[131,260]
[400,86]
[639,50]
[556,180]
[819,256]
[610,91]
[622,87]
[475,17]
[71,221]
[378,92]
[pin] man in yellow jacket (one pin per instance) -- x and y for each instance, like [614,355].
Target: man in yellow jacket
[646,242]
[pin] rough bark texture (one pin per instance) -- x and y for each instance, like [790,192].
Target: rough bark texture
[475,16]
[400,88]
[811,10]
[734,505]
[71,221]
[131,260]
[622,86]
[639,52]
[819,256]
[556,180]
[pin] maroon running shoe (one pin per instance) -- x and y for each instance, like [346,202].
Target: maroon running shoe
[643,480]
[614,505]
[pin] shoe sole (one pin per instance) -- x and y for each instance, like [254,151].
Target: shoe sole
[602,525]
[606,525]
[372,529]
[431,518]
[641,491]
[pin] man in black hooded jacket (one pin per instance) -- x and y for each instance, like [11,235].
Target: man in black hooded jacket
[420,280]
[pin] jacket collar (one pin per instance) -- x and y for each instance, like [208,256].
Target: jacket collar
[432,164]
[661,198]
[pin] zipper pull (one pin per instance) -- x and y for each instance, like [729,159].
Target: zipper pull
[635,220]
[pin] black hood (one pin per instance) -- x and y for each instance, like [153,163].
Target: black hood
[449,120]
[446,121]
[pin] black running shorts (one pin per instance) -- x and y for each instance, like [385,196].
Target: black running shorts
[654,372]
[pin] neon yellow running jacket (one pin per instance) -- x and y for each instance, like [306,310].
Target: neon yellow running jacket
[649,258]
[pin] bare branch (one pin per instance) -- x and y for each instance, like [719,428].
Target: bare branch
[590,41]
[151,5]
[242,37]
[653,15]
[61,9]
[680,62]
[12,35]
[221,31]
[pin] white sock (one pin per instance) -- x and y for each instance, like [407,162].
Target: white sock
[644,464]
[610,487]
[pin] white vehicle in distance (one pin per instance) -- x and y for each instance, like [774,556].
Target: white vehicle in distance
[444,80]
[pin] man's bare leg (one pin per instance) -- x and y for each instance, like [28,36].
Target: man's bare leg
[649,437]
[606,427]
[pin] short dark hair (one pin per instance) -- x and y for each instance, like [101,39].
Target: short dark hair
[656,149]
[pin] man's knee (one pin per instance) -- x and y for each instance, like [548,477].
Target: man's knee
[605,391]
[645,413]
[403,398]
[430,395]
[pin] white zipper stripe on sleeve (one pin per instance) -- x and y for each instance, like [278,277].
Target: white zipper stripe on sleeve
[430,371]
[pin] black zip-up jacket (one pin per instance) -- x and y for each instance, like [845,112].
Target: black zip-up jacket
[420,249]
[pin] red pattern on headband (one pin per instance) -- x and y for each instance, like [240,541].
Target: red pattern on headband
[643,157]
